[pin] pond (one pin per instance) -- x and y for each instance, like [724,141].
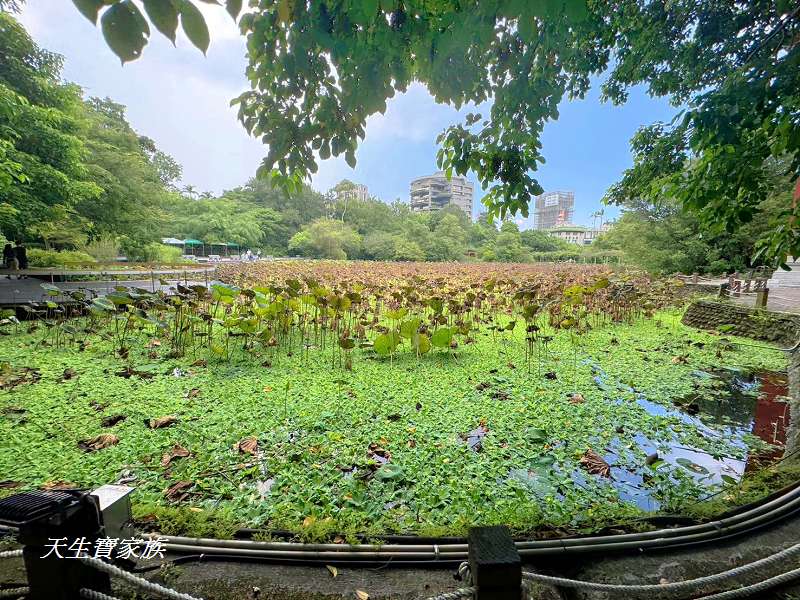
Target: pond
[733,405]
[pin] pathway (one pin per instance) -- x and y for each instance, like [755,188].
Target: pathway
[21,291]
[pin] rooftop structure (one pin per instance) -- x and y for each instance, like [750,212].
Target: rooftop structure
[552,209]
[434,192]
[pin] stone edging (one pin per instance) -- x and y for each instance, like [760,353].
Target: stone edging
[778,328]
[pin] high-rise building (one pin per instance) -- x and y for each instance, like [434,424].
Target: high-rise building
[552,209]
[434,192]
[352,191]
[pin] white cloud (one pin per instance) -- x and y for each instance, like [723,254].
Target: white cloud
[414,116]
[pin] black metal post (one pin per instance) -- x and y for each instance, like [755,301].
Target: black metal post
[46,516]
[495,564]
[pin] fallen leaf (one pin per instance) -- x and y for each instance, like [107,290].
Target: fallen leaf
[164,421]
[333,570]
[129,372]
[193,393]
[576,399]
[378,453]
[309,521]
[177,451]
[178,491]
[58,485]
[112,420]
[201,362]
[104,440]
[362,595]
[679,360]
[248,445]
[595,464]
[11,378]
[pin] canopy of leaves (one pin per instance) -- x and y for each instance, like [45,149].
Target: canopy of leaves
[319,69]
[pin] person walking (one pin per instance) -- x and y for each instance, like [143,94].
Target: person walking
[21,254]
[9,259]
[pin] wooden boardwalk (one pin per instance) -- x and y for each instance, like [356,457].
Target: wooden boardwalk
[21,291]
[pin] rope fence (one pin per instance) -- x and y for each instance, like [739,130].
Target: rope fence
[134,580]
[665,588]
[674,588]
[92,595]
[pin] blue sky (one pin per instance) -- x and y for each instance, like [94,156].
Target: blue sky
[180,98]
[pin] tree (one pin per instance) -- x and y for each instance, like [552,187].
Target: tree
[664,238]
[168,169]
[121,163]
[326,238]
[408,250]
[380,245]
[541,241]
[39,140]
[508,245]
[320,69]
[448,240]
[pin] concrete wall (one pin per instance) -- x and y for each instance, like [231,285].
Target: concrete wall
[777,328]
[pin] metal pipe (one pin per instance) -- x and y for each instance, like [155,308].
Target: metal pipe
[188,541]
[737,524]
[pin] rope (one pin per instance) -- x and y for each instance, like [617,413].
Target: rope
[11,554]
[460,593]
[92,595]
[756,587]
[134,580]
[690,584]
[14,592]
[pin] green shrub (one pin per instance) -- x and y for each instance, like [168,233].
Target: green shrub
[556,256]
[162,254]
[104,249]
[64,259]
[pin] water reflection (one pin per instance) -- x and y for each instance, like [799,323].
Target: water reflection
[739,404]
[728,406]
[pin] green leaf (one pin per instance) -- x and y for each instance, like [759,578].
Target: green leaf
[537,436]
[389,472]
[102,304]
[51,290]
[420,343]
[234,7]
[386,343]
[194,25]
[125,30]
[691,466]
[409,328]
[368,9]
[441,337]
[164,17]
[89,8]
